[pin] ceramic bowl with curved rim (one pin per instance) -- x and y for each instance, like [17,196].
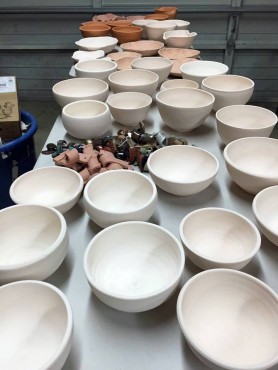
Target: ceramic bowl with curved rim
[229,320]
[236,121]
[146,48]
[179,54]
[170,84]
[142,23]
[98,68]
[127,33]
[182,169]
[197,71]
[157,17]
[134,197]
[134,266]
[252,162]
[171,11]
[79,55]
[119,23]
[155,30]
[181,24]
[219,238]
[105,43]
[161,66]
[179,38]
[95,29]
[34,242]
[53,186]
[36,326]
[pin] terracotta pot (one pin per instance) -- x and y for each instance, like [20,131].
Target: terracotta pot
[171,11]
[157,17]
[94,29]
[119,23]
[127,33]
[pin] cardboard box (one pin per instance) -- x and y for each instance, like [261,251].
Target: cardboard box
[10,124]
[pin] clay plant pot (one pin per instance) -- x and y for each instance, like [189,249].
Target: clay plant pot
[95,29]
[127,33]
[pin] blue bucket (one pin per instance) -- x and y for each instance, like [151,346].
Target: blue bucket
[17,157]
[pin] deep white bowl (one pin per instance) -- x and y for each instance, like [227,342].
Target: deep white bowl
[252,162]
[36,326]
[156,29]
[134,266]
[52,186]
[230,320]
[161,66]
[34,242]
[179,38]
[183,109]
[177,82]
[134,197]
[97,68]
[182,169]
[142,23]
[201,69]
[237,121]
[105,43]
[265,209]
[218,237]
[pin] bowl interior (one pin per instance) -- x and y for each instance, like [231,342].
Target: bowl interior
[170,84]
[204,68]
[266,208]
[85,109]
[228,83]
[133,77]
[95,65]
[151,63]
[79,87]
[97,42]
[129,100]
[182,97]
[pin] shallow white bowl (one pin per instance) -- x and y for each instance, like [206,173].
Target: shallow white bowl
[179,38]
[252,162]
[34,242]
[134,197]
[156,29]
[161,66]
[181,24]
[170,84]
[36,326]
[134,266]
[105,43]
[52,186]
[183,109]
[265,209]
[74,89]
[230,320]
[182,169]
[85,119]
[218,237]
[98,68]
[129,108]
[228,89]
[79,55]
[237,121]
[201,69]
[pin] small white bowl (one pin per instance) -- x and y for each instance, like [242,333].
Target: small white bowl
[237,121]
[156,29]
[181,24]
[161,66]
[98,68]
[182,169]
[228,89]
[142,23]
[170,84]
[105,43]
[129,108]
[74,89]
[36,326]
[229,320]
[265,209]
[79,55]
[179,38]
[134,266]
[218,237]
[85,119]
[198,70]
[134,197]
[53,186]
[34,242]
[252,162]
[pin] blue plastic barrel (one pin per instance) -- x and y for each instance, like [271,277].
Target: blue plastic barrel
[17,157]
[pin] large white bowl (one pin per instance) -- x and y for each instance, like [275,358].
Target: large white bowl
[95,68]
[85,119]
[177,82]
[265,209]
[252,162]
[105,43]
[134,197]
[156,29]
[228,89]
[179,38]
[134,266]
[74,89]
[237,121]
[161,66]
[34,242]
[230,320]
[182,169]
[52,186]
[36,326]
[201,69]
[218,237]
[183,109]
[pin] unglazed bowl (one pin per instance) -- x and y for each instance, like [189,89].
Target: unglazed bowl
[197,71]
[179,38]
[142,23]
[155,30]
[105,43]
[127,33]
[177,82]
[98,68]
[95,29]
[161,66]
[181,24]
[146,48]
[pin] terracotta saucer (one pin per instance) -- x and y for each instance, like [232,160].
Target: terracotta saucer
[144,47]
[175,70]
[124,54]
[125,63]
[176,53]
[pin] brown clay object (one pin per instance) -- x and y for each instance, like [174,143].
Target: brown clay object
[177,53]
[127,33]
[144,47]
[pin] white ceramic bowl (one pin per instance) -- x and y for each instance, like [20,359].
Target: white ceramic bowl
[182,169]
[98,68]
[228,89]
[133,80]
[134,197]
[229,320]
[265,209]
[181,24]
[201,69]
[134,266]
[142,23]
[179,38]
[177,82]
[237,121]
[156,29]
[85,119]
[218,237]
[129,108]
[74,89]
[36,326]
[183,109]
[53,186]
[105,43]
[161,66]
[34,242]
[79,55]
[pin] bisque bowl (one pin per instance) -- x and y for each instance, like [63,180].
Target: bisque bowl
[157,17]
[171,11]
[36,326]
[105,43]
[181,24]
[142,23]
[99,69]
[182,169]
[127,33]
[161,66]
[79,55]
[222,313]
[265,209]
[179,38]
[183,109]
[197,71]
[119,23]
[236,121]
[134,266]
[170,84]
[34,242]
[252,163]
[51,186]
[155,30]
[95,29]
[219,238]
[146,48]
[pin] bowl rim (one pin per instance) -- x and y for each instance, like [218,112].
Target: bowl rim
[96,41]
[154,68]
[228,77]
[77,102]
[133,71]
[129,94]
[78,79]
[95,61]
[165,83]
[202,62]
[160,25]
